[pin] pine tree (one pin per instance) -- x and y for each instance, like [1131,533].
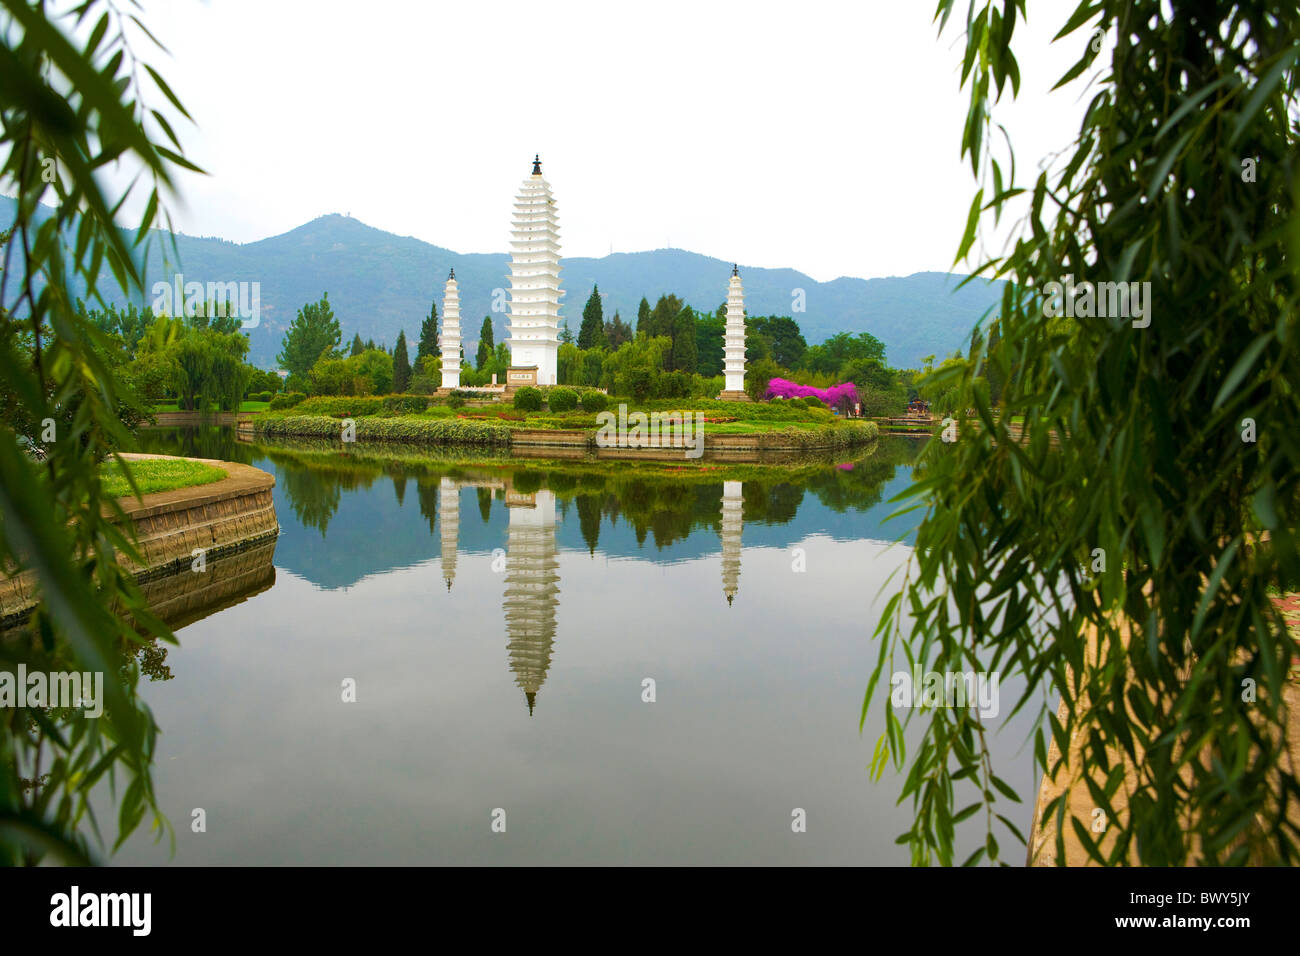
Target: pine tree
[428,344]
[485,344]
[314,332]
[592,333]
[401,365]
[643,317]
[357,346]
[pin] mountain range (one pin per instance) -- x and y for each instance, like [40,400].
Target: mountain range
[380,283]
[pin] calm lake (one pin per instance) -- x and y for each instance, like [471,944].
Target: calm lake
[499,623]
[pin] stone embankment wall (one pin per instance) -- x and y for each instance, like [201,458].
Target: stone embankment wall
[221,518]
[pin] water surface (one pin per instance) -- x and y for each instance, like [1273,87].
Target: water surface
[499,621]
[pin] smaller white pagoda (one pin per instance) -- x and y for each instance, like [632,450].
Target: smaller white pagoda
[451,334]
[734,344]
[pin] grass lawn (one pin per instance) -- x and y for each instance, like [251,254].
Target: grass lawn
[157,474]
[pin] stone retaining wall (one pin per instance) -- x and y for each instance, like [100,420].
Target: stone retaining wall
[220,518]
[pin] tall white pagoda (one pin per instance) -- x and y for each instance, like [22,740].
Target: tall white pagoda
[451,333]
[733,523]
[734,344]
[535,292]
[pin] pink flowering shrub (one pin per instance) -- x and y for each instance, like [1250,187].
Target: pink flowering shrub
[781,388]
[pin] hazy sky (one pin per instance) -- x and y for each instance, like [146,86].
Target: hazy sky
[820,136]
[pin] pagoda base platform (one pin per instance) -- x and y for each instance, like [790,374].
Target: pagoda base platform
[734,396]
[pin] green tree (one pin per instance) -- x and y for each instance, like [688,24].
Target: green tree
[592,333]
[785,342]
[643,317]
[617,331]
[357,345]
[710,344]
[1119,552]
[313,333]
[485,344]
[684,347]
[428,344]
[401,365]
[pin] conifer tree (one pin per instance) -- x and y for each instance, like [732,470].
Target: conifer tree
[401,365]
[428,344]
[592,333]
[643,316]
[485,344]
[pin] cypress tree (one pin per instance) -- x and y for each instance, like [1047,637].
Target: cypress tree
[643,316]
[485,344]
[592,333]
[401,365]
[428,344]
[357,347]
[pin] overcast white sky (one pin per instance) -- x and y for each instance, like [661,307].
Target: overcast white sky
[822,136]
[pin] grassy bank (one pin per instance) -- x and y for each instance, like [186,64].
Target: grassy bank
[157,474]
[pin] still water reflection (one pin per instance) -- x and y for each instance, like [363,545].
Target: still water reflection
[499,621]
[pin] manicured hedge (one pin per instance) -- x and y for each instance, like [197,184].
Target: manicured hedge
[562,399]
[436,431]
[528,399]
[406,404]
[288,400]
[779,411]
[594,402]
[341,406]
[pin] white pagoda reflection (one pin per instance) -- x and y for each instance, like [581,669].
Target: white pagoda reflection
[733,507]
[532,588]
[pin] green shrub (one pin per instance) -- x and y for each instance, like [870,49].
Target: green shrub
[562,399]
[528,399]
[405,404]
[437,431]
[287,400]
[672,385]
[812,401]
[455,401]
[341,406]
[259,396]
[594,402]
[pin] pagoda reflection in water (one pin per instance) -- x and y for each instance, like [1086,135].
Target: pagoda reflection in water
[532,577]
[532,588]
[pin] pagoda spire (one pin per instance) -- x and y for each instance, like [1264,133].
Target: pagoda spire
[537,164]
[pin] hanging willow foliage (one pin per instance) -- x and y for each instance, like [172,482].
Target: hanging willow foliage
[1170,441]
[66,113]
